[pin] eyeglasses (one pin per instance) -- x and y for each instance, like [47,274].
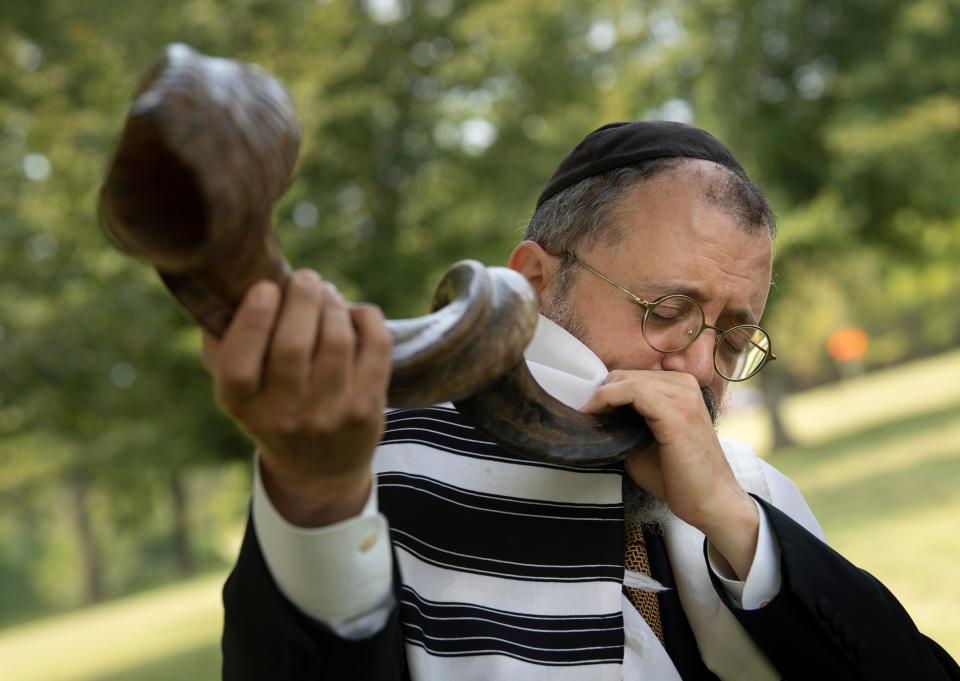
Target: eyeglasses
[673,322]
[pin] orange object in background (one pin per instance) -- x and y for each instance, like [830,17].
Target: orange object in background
[848,345]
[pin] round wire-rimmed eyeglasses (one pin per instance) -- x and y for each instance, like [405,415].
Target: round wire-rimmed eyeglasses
[673,322]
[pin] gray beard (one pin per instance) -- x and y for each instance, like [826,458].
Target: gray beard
[639,506]
[556,309]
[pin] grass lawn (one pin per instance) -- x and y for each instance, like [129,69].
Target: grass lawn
[878,460]
[169,634]
[198,664]
[889,500]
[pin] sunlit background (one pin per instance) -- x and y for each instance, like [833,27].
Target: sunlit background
[430,128]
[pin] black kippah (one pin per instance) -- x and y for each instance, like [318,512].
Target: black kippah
[616,145]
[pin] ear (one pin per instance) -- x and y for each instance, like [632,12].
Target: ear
[534,263]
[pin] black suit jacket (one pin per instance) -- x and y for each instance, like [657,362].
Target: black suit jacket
[830,621]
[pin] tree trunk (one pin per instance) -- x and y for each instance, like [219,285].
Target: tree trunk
[775,388]
[79,488]
[181,527]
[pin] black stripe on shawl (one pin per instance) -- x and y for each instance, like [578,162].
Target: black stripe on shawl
[495,535]
[461,629]
[499,503]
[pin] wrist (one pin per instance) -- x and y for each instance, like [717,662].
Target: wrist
[733,533]
[316,502]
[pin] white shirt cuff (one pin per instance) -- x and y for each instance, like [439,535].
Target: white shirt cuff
[763,580]
[341,574]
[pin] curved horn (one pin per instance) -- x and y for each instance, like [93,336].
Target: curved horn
[483,318]
[209,145]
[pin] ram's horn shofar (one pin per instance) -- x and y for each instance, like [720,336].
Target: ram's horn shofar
[209,145]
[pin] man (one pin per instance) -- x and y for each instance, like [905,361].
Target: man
[651,253]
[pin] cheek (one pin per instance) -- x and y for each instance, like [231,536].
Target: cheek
[648,360]
[614,334]
[628,352]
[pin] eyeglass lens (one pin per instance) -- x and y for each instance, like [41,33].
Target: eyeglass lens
[741,352]
[674,322]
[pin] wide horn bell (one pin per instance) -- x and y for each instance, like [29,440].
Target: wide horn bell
[209,145]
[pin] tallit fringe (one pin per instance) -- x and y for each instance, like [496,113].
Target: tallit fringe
[635,580]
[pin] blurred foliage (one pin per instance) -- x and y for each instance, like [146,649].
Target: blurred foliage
[849,113]
[429,129]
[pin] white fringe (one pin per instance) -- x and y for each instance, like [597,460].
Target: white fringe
[636,580]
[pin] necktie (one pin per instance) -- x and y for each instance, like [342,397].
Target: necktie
[635,558]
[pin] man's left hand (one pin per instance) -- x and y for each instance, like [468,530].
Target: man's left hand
[685,466]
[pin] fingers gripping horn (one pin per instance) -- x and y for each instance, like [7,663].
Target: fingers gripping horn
[209,145]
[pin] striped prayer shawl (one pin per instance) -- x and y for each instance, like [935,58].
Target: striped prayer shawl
[510,568]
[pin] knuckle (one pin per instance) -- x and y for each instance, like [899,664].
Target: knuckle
[289,349]
[370,312]
[306,284]
[334,296]
[255,319]
[316,422]
[615,388]
[260,302]
[338,340]
[253,324]
[381,340]
[361,412]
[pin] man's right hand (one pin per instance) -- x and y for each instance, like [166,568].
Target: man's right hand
[305,375]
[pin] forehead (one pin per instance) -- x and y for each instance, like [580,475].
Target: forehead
[675,238]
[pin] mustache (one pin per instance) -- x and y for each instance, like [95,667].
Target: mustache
[712,403]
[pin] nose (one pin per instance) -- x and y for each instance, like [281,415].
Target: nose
[695,359]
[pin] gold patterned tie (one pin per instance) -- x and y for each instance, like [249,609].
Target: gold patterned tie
[635,558]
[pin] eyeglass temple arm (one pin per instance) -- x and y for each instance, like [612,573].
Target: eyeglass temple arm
[633,296]
[769,353]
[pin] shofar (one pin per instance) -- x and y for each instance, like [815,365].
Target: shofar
[209,145]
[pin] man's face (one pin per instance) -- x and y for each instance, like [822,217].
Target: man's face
[675,240]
